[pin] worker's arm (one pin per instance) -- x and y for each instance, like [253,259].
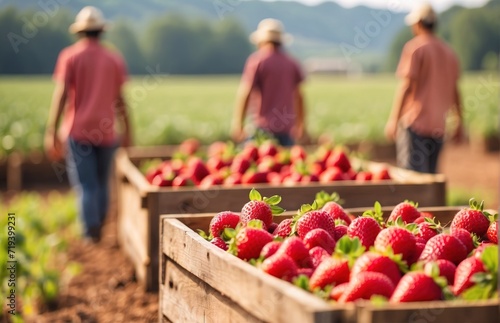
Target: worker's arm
[53,145]
[458,134]
[123,117]
[242,99]
[399,100]
[300,128]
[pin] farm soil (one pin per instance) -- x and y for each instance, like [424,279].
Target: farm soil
[106,291]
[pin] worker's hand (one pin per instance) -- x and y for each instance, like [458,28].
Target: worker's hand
[53,146]
[391,129]
[238,134]
[459,134]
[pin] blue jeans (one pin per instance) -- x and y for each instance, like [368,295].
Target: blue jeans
[283,139]
[88,170]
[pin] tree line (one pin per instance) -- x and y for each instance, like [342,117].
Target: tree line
[31,41]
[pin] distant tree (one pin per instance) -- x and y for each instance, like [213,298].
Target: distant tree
[123,37]
[396,47]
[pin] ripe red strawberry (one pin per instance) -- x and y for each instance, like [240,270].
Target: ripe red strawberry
[331,174]
[338,290]
[259,208]
[372,261]
[182,180]
[281,266]
[319,237]
[364,176]
[252,176]
[446,269]
[465,237]
[428,228]
[340,231]
[305,271]
[312,220]
[249,242]
[240,165]
[471,219]
[211,180]
[284,229]
[267,148]
[336,211]
[318,254]
[381,174]
[419,247]
[196,169]
[331,271]
[444,246]
[366,229]
[416,287]
[297,153]
[339,159]
[222,220]
[465,270]
[270,249]
[492,233]
[250,152]
[296,249]
[233,179]
[219,243]
[406,210]
[365,285]
[400,240]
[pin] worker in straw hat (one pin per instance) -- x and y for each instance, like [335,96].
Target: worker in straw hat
[429,72]
[270,88]
[86,100]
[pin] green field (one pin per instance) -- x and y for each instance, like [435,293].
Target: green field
[168,109]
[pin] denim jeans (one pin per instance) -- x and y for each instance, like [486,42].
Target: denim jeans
[283,139]
[88,170]
[416,152]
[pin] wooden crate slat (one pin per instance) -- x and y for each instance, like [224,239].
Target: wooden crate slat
[264,296]
[189,299]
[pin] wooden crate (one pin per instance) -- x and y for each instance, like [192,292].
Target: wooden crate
[202,283]
[140,204]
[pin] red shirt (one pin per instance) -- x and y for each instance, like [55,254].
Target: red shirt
[273,76]
[434,68]
[94,76]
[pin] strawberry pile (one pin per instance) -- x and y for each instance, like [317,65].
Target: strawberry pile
[256,162]
[409,257]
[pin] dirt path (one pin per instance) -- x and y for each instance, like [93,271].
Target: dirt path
[105,291]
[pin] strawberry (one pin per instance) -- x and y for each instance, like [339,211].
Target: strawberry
[249,241]
[338,290]
[444,246]
[305,271]
[281,266]
[381,174]
[163,179]
[297,250]
[274,178]
[252,176]
[267,148]
[233,179]
[297,153]
[222,220]
[319,237]
[330,271]
[331,174]
[270,249]
[340,231]
[428,228]
[217,149]
[182,180]
[492,233]
[365,228]
[312,220]
[400,240]
[339,159]
[472,219]
[446,268]
[211,180]
[260,208]
[465,270]
[372,261]
[364,176]
[189,146]
[416,287]
[406,210]
[465,237]
[219,243]
[215,163]
[240,165]
[318,254]
[196,169]
[365,285]
[419,247]
[336,211]
[284,229]
[268,164]
[250,152]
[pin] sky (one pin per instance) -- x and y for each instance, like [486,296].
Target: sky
[401,5]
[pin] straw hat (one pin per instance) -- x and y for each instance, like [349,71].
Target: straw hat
[270,30]
[423,13]
[88,19]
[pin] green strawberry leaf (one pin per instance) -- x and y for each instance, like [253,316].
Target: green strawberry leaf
[255,223]
[481,277]
[204,235]
[475,205]
[376,213]
[255,195]
[489,258]
[414,204]
[273,200]
[277,209]
[304,208]
[478,292]
[229,233]
[302,281]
